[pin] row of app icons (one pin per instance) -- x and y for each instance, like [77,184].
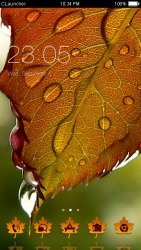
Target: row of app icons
[70,227]
[71,248]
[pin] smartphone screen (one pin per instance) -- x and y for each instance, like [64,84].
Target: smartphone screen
[70,115]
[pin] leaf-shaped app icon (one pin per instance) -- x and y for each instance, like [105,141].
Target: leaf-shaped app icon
[15,227]
[42,227]
[124,227]
[69,227]
[96,227]
[74,84]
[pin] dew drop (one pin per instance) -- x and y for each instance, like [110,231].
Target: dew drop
[71,158]
[104,123]
[60,167]
[32,16]
[75,52]
[52,92]
[124,50]
[128,100]
[82,162]
[74,73]
[27,197]
[34,75]
[29,178]
[69,21]
[108,63]
[85,55]
[62,137]
[25,57]
[139,86]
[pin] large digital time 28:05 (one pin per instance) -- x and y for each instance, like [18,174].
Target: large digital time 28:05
[61,54]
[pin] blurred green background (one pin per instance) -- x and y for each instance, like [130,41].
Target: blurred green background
[110,198]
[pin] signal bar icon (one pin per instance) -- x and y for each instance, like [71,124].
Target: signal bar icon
[133,3]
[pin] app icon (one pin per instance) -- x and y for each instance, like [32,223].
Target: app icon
[124,227]
[96,227]
[15,227]
[69,227]
[42,227]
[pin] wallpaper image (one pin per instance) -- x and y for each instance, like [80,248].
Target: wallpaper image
[70,128]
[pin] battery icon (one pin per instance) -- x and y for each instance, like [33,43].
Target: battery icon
[133,3]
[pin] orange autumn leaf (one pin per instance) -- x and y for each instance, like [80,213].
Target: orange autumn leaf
[69,227]
[15,227]
[124,227]
[96,227]
[42,227]
[74,83]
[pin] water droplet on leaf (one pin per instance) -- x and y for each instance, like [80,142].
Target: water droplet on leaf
[108,64]
[52,92]
[128,100]
[26,56]
[62,137]
[60,167]
[85,55]
[75,52]
[27,197]
[33,16]
[124,50]
[82,162]
[74,73]
[139,86]
[69,21]
[29,178]
[71,158]
[104,123]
